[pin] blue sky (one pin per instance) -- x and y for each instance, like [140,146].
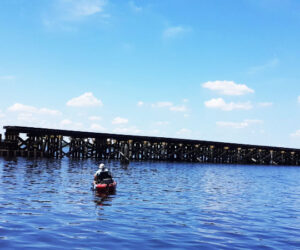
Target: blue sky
[209,70]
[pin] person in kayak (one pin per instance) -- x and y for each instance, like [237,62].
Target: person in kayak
[102,175]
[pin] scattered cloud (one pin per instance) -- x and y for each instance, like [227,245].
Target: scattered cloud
[153,132]
[134,7]
[68,124]
[85,100]
[162,123]
[299,98]
[64,13]
[265,104]
[162,104]
[18,107]
[170,106]
[268,65]
[140,104]
[119,120]
[296,134]
[180,108]
[219,103]
[175,31]
[185,100]
[46,111]
[227,88]
[7,77]
[97,127]
[95,118]
[130,130]
[184,132]
[238,125]
[73,9]
[31,119]
[2,115]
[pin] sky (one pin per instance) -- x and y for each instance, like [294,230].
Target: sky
[210,70]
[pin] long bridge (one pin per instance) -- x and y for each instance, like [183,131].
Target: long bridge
[54,143]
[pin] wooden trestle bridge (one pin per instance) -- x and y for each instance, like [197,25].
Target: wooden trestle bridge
[53,143]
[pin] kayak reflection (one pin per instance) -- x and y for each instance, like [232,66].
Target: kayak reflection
[103,199]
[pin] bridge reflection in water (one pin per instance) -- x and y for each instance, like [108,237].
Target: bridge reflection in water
[53,143]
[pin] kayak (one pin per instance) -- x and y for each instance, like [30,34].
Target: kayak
[102,187]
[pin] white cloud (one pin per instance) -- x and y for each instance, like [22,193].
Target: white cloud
[265,104]
[238,125]
[296,134]
[7,77]
[185,100]
[175,31]
[228,88]
[30,119]
[154,132]
[134,7]
[184,132]
[131,130]
[96,127]
[254,121]
[81,8]
[219,103]
[180,108]
[26,117]
[162,104]
[2,115]
[66,122]
[170,106]
[268,65]
[85,100]
[232,124]
[18,107]
[95,118]
[46,111]
[140,103]
[162,123]
[65,13]
[119,120]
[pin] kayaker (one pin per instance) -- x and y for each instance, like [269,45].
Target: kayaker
[102,175]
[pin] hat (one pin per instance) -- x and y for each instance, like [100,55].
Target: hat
[101,166]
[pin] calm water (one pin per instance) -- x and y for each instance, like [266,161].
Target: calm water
[49,204]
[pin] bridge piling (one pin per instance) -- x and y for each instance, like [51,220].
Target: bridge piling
[51,143]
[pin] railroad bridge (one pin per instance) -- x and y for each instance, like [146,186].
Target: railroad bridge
[54,143]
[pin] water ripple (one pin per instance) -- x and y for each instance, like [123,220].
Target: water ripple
[49,204]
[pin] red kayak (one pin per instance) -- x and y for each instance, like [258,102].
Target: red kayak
[106,187]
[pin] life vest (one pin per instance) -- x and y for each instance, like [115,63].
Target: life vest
[104,175]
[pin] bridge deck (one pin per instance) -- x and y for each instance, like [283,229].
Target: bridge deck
[82,134]
[52,143]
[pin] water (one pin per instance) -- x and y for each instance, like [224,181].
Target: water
[49,204]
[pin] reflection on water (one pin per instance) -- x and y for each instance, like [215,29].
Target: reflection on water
[49,203]
[103,199]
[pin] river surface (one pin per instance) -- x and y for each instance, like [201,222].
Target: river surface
[49,204]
